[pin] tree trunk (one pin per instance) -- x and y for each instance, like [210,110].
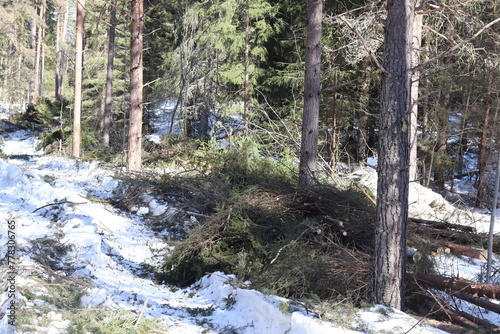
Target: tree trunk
[247,65]
[481,158]
[442,139]
[134,154]
[417,42]
[312,91]
[62,18]
[41,72]
[32,44]
[77,113]
[109,75]
[333,143]
[59,54]
[389,259]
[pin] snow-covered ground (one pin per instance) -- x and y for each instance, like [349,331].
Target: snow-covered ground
[49,197]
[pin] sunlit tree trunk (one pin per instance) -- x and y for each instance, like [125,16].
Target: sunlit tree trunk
[41,72]
[77,112]
[388,280]
[134,154]
[417,43]
[312,91]
[62,21]
[32,44]
[109,75]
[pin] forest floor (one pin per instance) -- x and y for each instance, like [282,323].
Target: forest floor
[83,265]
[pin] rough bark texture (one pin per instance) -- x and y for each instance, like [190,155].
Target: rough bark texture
[109,75]
[389,260]
[77,112]
[134,157]
[312,91]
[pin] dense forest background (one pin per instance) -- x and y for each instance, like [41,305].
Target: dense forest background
[217,59]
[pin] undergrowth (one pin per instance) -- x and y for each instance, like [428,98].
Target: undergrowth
[254,222]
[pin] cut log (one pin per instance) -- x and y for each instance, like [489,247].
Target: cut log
[456,236]
[479,254]
[413,255]
[457,285]
[443,225]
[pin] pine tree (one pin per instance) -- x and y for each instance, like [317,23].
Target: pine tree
[312,91]
[389,268]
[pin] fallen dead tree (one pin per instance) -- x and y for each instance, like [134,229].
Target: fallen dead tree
[443,225]
[448,309]
[457,317]
[456,285]
[456,236]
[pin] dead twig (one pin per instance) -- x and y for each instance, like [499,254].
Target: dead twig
[58,203]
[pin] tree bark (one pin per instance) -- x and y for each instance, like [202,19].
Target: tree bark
[481,158]
[312,91]
[62,20]
[417,43]
[389,259]
[247,65]
[134,154]
[32,44]
[77,112]
[442,139]
[109,75]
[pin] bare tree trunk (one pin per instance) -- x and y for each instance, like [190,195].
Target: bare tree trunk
[417,42]
[134,154]
[312,91]
[62,19]
[109,75]
[362,144]
[481,158]
[77,112]
[247,64]
[442,126]
[41,74]
[32,44]
[333,144]
[389,259]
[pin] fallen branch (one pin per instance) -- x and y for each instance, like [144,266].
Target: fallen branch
[58,203]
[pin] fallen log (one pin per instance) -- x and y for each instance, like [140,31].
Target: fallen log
[436,309]
[456,285]
[456,236]
[474,253]
[444,225]
[484,303]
